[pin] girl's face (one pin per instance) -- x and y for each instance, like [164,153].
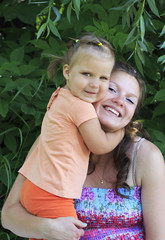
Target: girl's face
[118,106]
[88,77]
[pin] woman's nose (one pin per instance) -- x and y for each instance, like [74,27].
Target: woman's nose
[118,100]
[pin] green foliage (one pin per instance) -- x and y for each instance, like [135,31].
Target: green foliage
[32,31]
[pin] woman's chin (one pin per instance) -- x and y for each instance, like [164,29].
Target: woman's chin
[109,128]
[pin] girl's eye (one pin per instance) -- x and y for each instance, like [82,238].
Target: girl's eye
[86,74]
[130,101]
[112,89]
[104,78]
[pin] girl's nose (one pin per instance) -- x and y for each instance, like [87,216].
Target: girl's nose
[94,83]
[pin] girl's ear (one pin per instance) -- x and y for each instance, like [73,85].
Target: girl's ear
[66,71]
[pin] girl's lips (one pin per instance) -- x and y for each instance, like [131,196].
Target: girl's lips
[88,92]
[112,110]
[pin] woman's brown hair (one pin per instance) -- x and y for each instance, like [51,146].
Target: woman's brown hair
[134,128]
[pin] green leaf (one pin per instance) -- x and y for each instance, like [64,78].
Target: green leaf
[28,109]
[3,107]
[138,64]
[9,86]
[160,95]
[162,45]
[12,67]
[2,60]
[142,28]
[17,54]
[163,31]
[22,82]
[124,19]
[159,135]
[3,178]
[142,46]
[76,4]
[140,54]
[40,43]
[10,142]
[126,5]
[26,69]
[161,59]
[25,38]
[159,110]
[105,26]
[129,36]
[68,13]
[48,31]
[140,12]
[153,7]
[90,28]
[41,30]
[54,29]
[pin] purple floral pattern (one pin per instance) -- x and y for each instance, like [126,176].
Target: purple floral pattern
[109,216]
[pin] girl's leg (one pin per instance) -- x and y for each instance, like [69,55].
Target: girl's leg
[44,204]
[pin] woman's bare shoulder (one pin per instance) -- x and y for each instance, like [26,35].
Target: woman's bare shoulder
[150,161]
[149,152]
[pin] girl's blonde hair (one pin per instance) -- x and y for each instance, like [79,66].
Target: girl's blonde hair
[85,42]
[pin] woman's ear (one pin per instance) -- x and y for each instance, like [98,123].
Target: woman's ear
[66,71]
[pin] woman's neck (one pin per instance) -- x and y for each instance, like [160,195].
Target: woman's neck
[104,175]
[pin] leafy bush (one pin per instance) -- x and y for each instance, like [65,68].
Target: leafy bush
[30,32]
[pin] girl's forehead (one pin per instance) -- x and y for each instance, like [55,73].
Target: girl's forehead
[84,54]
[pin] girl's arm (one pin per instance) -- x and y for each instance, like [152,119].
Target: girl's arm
[15,218]
[152,170]
[98,141]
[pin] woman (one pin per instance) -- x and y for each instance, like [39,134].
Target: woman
[136,163]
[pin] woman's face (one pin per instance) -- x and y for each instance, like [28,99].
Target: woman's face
[117,108]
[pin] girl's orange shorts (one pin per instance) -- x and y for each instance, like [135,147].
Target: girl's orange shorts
[44,204]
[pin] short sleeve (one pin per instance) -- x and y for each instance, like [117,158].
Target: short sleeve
[82,111]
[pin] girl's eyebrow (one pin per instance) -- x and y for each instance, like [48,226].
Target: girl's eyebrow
[132,94]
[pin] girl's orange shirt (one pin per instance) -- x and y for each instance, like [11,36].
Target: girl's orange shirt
[59,163]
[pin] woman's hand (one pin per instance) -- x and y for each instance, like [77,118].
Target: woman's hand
[30,226]
[63,228]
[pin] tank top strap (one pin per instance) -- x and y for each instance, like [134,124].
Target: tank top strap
[134,157]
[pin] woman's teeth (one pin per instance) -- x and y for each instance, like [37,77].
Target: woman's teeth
[112,110]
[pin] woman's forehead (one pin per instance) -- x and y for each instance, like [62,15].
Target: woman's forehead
[125,82]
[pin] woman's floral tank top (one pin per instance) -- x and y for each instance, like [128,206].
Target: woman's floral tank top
[109,216]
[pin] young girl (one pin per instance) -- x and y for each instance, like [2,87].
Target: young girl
[57,166]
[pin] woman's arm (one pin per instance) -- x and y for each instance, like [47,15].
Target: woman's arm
[19,221]
[15,218]
[153,190]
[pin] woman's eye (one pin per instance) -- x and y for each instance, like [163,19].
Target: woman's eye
[130,101]
[112,89]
